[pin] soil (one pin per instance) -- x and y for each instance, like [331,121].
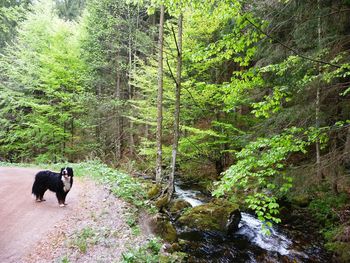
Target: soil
[91,228]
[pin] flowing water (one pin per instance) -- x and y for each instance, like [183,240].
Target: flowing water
[249,243]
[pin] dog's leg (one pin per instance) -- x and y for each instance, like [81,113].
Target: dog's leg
[60,199]
[40,196]
[64,198]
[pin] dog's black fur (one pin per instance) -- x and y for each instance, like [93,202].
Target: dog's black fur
[60,183]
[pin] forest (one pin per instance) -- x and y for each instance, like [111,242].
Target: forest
[247,100]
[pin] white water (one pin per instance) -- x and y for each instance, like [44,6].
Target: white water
[249,227]
[188,195]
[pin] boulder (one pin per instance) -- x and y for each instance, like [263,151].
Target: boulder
[177,207]
[162,201]
[161,226]
[233,222]
[154,191]
[212,216]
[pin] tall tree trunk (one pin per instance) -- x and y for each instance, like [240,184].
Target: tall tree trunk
[318,91]
[346,152]
[118,131]
[72,136]
[177,107]
[160,98]
[130,91]
[99,117]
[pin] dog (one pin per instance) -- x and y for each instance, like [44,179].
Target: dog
[60,183]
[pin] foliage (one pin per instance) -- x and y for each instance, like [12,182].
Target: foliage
[325,207]
[121,184]
[146,253]
[42,94]
[113,33]
[12,12]
[70,9]
[84,238]
[259,172]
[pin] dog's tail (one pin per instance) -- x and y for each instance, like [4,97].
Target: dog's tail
[40,179]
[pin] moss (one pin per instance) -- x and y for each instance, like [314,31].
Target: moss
[177,257]
[301,200]
[161,201]
[176,207]
[154,191]
[163,228]
[210,216]
[340,249]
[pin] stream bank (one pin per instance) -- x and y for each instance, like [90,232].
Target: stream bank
[286,243]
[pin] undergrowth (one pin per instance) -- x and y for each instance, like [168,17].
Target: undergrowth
[326,208]
[148,253]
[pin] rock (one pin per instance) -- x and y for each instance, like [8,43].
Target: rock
[177,207]
[212,216]
[341,250]
[161,226]
[233,222]
[301,200]
[182,243]
[178,257]
[161,202]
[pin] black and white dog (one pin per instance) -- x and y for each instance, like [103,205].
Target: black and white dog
[60,183]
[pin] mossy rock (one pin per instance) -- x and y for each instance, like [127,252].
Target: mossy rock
[176,207]
[210,216]
[300,200]
[154,191]
[163,228]
[177,257]
[340,249]
[162,201]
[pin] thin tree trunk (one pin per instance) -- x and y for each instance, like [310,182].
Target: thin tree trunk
[130,91]
[118,118]
[72,135]
[99,116]
[346,152]
[118,148]
[160,98]
[64,141]
[177,107]
[318,91]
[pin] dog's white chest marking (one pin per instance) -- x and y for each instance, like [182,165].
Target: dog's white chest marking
[66,183]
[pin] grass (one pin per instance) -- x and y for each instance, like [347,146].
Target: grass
[148,253]
[65,259]
[84,238]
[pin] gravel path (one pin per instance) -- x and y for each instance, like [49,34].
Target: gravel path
[94,227]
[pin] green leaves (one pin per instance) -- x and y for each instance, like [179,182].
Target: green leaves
[43,92]
[259,172]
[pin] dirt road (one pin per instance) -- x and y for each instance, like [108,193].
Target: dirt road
[24,222]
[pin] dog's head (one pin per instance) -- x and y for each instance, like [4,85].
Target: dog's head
[67,172]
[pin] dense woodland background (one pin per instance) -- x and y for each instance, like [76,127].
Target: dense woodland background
[264,102]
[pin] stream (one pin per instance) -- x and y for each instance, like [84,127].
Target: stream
[249,243]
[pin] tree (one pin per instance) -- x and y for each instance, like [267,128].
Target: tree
[70,9]
[11,13]
[177,105]
[42,90]
[115,34]
[160,97]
